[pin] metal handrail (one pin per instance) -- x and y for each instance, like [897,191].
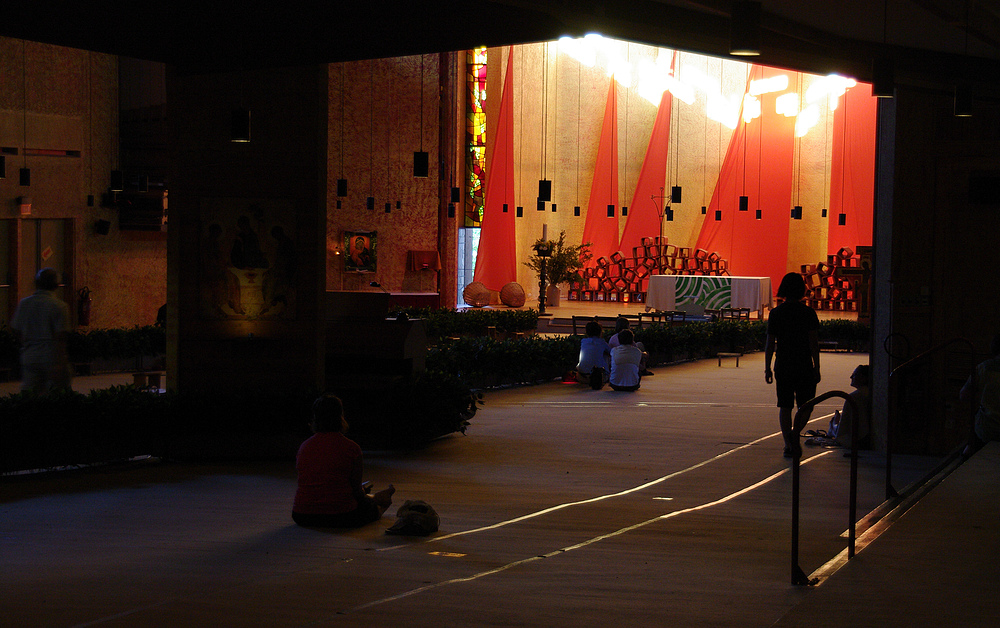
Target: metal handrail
[890,492]
[798,576]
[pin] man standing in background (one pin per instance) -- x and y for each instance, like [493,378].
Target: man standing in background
[41,324]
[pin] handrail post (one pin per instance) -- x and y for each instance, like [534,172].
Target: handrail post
[798,576]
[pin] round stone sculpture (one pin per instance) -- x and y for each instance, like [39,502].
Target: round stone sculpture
[512,295]
[476,294]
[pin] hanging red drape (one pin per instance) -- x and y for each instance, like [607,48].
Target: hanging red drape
[601,230]
[852,173]
[496,260]
[644,211]
[758,164]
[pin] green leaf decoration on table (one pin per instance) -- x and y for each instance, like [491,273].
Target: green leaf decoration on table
[711,292]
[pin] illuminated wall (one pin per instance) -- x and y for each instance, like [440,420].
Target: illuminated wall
[559,101]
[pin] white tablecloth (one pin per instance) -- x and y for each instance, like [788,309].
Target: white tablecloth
[666,291]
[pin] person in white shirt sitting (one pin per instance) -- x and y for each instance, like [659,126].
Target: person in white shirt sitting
[620,325]
[625,361]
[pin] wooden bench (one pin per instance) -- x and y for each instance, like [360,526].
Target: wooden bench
[735,313]
[148,379]
[607,322]
[730,355]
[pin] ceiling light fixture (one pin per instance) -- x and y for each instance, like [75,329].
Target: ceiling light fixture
[744,29]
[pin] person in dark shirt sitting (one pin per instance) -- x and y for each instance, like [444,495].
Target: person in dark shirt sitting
[330,492]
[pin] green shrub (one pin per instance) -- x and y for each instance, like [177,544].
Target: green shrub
[410,413]
[119,343]
[483,362]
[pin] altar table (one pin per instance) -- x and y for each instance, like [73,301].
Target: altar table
[666,291]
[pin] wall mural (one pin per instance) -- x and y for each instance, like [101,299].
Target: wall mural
[360,252]
[248,259]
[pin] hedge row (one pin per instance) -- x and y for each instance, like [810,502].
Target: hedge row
[89,345]
[445,323]
[483,362]
[118,423]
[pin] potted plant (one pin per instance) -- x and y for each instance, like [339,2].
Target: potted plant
[563,264]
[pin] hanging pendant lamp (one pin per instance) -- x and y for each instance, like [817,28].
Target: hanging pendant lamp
[240,125]
[744,29]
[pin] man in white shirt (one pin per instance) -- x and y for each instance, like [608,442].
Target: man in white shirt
[625,360]
[620,325]
[41,324]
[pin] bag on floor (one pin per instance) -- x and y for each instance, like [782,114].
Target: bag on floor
[415,518]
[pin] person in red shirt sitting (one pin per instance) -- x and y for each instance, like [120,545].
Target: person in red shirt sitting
[330,492]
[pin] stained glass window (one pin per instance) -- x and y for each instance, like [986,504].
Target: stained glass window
[475,132]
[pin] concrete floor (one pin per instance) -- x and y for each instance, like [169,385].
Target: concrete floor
[561,507]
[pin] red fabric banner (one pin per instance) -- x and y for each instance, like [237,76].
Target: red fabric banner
[496,260]
[601,230]
[852,173]
[644,211]
[758,164]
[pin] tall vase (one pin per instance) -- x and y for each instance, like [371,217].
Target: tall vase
[552,296]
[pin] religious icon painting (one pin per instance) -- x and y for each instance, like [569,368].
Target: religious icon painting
[360,251]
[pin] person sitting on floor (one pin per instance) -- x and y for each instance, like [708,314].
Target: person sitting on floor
[595,358]
[330,492]
[983,389]
[625,360]
[844,420]
[621,324]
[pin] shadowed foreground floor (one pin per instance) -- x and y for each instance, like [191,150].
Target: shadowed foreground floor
[561,507]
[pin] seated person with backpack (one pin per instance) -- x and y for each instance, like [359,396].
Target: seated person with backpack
[842,425]
[595,358]
[330,492]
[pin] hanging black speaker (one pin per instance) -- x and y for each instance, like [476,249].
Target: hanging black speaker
[842,219]
[451,210]
[624,210]
[576,210]
[611,211]
[553,207]
[25,176]
[520,211]
[544,190]
[505,208]
[421,164]
[341,187]
[744,203]
[117,181]
[718,214]
[758,214]
[456,195]
[675,194]
[370,202]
